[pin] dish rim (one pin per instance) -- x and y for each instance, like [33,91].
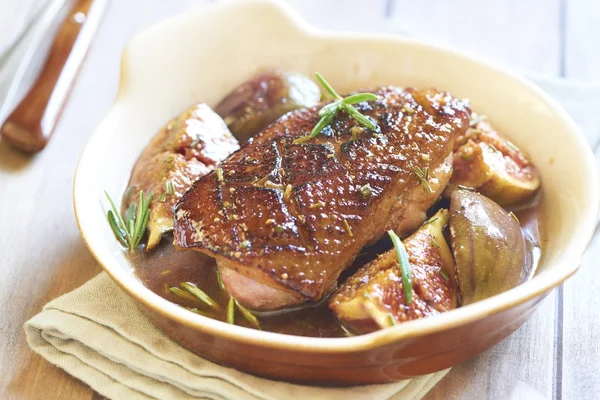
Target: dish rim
[539,285]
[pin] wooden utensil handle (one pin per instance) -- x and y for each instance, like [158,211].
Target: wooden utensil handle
[30,125]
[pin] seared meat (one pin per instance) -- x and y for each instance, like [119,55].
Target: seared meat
[262,99]
[373,298]
[284,219]
[493,165]
[186,148]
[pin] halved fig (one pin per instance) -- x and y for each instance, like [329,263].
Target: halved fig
[489,249]
[373,298]
[263,98]
[187,147]
[493,165]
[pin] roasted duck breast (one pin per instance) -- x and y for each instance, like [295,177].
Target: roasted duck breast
[284,216]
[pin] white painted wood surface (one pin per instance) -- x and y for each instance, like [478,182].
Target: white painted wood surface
[556,354]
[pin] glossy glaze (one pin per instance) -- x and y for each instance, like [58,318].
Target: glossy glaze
[285,218]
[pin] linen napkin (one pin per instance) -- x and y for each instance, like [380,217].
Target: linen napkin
[97,334]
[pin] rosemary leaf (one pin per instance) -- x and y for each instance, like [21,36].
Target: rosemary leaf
[361,119]
[139,217]
[444,274]
[330,108]
[359,98]
[247,314]
[130,230]
[199,293]
[327,86]
[219,281]
[116,230]
[366,191]
[404,266]
[114,210]
[391,320]
[323,122]
[231,311]
[182,293]
[142,231]
[348,228]
[169,188]
[130,212]
[423,176]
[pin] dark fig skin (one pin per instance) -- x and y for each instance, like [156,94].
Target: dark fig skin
[488,246]
[262,99]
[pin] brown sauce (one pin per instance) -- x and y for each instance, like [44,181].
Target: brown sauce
[164,267]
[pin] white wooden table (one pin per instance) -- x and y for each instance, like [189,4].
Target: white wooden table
[555,355]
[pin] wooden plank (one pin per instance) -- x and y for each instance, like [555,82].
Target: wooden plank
[520,34]
[43,255]
[523,35]
[579,376]
[581,26]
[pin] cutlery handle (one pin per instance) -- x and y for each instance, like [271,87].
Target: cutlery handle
[30,125]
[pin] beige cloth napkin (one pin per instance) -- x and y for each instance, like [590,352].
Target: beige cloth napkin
[97,334]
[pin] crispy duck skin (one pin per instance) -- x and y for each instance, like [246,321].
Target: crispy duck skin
[374,298]
[284,219]
[187,147]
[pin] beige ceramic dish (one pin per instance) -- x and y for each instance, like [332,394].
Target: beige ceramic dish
[203,54]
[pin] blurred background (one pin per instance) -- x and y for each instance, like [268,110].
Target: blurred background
[539,38]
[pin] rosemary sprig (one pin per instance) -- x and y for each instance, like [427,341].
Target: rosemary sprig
[328,112]
[231,311]
[169,188]
[366,191]
[199,293]
[404,266]
[129,232]
[219,280]
[423,176]
[182,293]
[247,314]
[444,274]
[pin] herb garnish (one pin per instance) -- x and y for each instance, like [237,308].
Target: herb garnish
[366,191]
[318,204]
[247,314]
[423,176]
[129,232]
[182,293]
[199,293]
[444,274]
[328,112]
[404,266]
[348,228]
[219,280]
[219,173]
[169,188]
[231,311]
